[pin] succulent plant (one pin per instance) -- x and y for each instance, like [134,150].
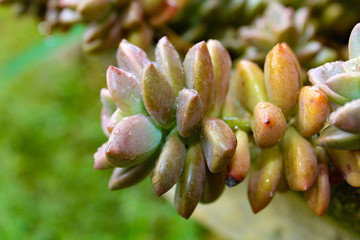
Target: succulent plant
[110,21]
[278,105]
[341,137]
[293,125]
[340,81]
[180,123]
[107,21]
[218,19]
[163,118]
[285,24]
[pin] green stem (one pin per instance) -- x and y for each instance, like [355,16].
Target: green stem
[238,123]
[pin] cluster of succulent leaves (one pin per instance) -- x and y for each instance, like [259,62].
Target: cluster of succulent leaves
[340,81]
[107,21]
[283,24]
[264,23]
[165,113]
[248,29]
[320,131]
[184,125]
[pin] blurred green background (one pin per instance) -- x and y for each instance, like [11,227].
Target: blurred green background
[49,130]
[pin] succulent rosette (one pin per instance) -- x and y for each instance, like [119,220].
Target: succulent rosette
[285,24]
[340,81]
[163,118]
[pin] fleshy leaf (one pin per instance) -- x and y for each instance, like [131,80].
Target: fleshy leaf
[345,84]
[131,58]
[127,177]
[269,125]
[189,112]
[332,137]
[318,196]
[169,165]
[249,84]
[115,119]
[312,112]
[299,161]
[221,61]
[282,78]
[318,76]
[125,90]
[354,42]
[347,118]
[108,109]
[191,183]
[352,65]
[239,165]
[214,186]
[218,142]
[347,163]
[265,178]
[158,96]
[133,140]
[199,74]
[100,161]
[169,63]
[232,106]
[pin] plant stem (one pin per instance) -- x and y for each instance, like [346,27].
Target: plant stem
[238,123]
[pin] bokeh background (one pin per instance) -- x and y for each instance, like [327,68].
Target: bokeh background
[49,130]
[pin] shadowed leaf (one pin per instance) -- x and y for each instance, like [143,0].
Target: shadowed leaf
[127,177]
[218,142]
[169,165]
[221,61]
[332,137]
[239,165]
[191,183]
[249,84]
[100,161]
[265,178]
[347,118]
[318,196]
[347,163]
